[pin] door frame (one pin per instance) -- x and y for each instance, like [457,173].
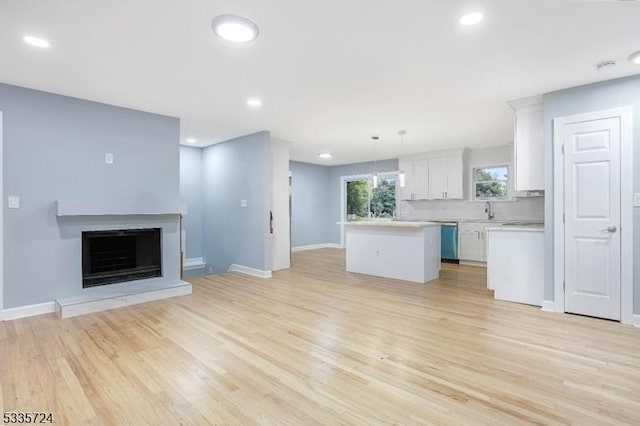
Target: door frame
[626,206]
[343,195]
[1,223]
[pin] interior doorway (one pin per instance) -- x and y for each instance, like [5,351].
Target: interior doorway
[593,207]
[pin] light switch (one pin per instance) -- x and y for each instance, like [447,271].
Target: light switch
[636,199]
[243,203]
[108,158]
[14,202]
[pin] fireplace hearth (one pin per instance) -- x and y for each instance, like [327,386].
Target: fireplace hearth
[116,256]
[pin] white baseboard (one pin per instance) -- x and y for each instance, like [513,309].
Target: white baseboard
[28,311]
[193,263]
[636,320]
[548,306]
[473,263]
[315,247]
[250,271]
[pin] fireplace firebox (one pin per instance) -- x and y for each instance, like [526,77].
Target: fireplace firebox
[117,256]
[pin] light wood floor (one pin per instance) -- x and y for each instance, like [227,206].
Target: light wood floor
[317,345]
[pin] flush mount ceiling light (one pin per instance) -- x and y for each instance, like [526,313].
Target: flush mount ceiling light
[325,155]
[472,18]
[234,28]
[191,140]
[635,58]
[254,102]
[36,41]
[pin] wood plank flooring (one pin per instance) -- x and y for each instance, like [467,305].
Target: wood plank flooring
[318,345]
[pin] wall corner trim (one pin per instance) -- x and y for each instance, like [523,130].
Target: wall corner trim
[29,311]
[548,306]
[249,271]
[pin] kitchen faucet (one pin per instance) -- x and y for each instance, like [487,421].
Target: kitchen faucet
[487,210]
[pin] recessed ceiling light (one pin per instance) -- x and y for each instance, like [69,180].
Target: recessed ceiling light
[36,41]
[191,140]
[235,28]
[254,102]
[325,155]
[635,58]
[471,18]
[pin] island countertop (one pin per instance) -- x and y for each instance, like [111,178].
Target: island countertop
[393,224]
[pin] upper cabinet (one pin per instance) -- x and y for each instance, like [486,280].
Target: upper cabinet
[434,176]
[528,144]
[446,178]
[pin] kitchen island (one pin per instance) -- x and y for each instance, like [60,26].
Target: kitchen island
[407,251]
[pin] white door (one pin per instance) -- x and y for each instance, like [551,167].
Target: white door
[592,217]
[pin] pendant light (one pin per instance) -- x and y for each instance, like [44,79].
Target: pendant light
[401,175]
[375,161]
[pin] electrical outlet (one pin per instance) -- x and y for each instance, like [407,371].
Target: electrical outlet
[14,202]
[108,158]
[636,199]
[244,203]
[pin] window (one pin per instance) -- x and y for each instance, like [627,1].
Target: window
[490,183]
[364,202]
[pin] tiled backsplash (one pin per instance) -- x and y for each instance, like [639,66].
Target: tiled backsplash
[525,209]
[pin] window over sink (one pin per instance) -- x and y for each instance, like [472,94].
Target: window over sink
[491,182]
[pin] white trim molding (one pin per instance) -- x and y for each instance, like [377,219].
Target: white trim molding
[316,247]
[29,311]
[636,320]
[193,263]
[626,210]
[2,315]
[249,271]
[548,306]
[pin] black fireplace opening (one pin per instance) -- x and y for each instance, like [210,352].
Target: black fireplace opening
[117,256]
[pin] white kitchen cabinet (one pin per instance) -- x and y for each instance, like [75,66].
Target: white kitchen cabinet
[515,263]
[528,144]
[434,176]
[446,178]
[416,174]
[471,242]
[421,178]
[406,192]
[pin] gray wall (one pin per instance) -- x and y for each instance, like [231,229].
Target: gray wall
[54,148]
[191,193]
[232,171]
[310,222]
[593,97]
[335,174]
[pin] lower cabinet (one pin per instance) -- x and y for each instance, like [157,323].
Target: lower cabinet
[471,242]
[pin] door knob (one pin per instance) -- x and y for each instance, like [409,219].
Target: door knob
[611,229]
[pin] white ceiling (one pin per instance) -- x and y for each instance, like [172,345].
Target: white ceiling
[330,73]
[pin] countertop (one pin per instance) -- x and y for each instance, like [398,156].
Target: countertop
[394,224]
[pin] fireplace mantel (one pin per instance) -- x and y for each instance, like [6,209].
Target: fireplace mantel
[118,208]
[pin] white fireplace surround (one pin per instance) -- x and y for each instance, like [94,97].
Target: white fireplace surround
[77,216]
[118,208]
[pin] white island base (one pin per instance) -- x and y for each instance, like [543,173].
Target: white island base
[407,251]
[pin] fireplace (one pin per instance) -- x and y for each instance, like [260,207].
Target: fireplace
[117,256]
